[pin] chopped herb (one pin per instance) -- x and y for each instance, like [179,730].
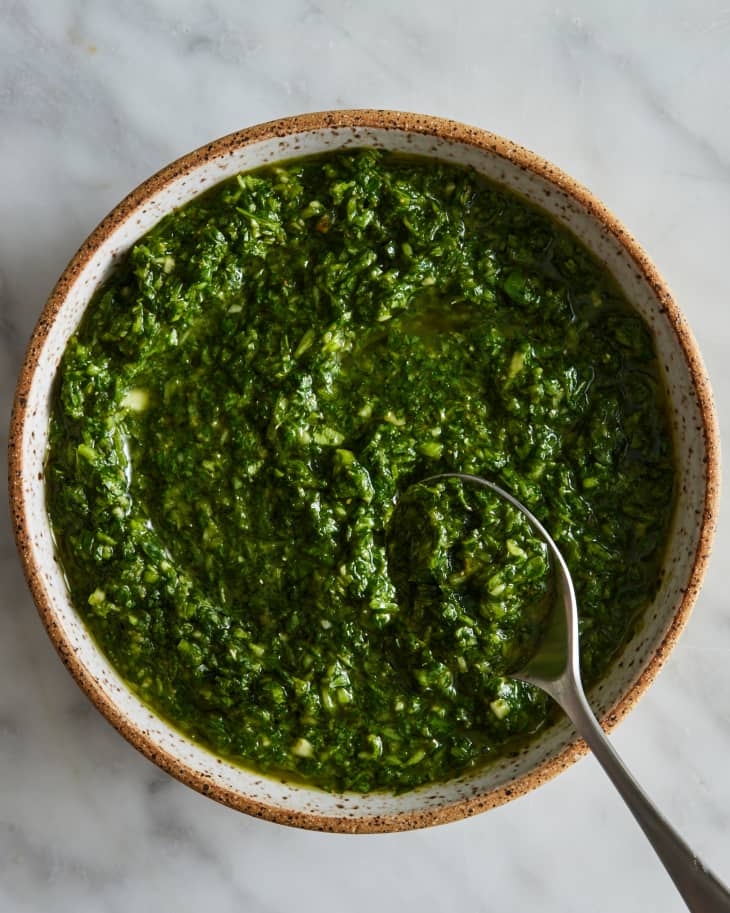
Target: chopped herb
[261,381]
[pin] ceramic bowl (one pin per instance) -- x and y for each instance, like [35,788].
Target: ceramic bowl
[690,403]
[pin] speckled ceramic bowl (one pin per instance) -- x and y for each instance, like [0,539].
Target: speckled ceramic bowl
[691,406]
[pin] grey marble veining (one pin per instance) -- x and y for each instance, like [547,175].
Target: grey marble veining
[629,97]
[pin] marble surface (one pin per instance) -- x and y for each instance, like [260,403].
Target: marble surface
[96,96]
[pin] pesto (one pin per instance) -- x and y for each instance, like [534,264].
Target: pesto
[249,394]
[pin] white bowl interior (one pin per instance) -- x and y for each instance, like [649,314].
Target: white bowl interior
[686,416]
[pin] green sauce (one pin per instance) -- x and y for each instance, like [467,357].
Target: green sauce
[247,397]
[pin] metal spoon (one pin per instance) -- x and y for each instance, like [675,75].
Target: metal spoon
[555,668]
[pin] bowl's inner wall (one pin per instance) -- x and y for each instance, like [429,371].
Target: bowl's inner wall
[686,414]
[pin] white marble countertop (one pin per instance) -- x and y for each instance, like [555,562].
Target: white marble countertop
[96,96]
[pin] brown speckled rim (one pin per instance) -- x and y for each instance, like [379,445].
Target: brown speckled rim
[353,119]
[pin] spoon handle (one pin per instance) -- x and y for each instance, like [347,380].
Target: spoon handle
[701,890]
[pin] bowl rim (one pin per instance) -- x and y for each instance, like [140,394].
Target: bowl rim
[354,119]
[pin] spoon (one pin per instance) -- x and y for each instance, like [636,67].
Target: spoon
[555,668]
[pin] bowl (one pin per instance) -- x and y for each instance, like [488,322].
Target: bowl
[690,404]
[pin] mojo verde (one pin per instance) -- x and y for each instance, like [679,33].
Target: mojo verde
[245,400]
